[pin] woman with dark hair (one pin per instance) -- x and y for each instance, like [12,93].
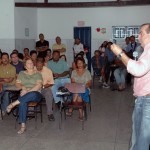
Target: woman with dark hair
[30,83]
[80,75]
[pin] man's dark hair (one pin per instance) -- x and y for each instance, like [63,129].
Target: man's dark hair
[26,49]
[40,60]
[13,54]
[4,53]
[33,52]
[56,52]
[20,56]
[132,36]
[41,34]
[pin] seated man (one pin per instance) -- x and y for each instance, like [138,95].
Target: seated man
[7,78]
[98,65]
[59,46]
[120,74]
[60,71]
[33,55]
[16,63]
[48,81]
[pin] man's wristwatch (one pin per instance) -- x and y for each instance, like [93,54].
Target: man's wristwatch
[120,54]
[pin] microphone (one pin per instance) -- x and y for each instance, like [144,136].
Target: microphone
[135,55]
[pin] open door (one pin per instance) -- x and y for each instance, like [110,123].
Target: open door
[84,33]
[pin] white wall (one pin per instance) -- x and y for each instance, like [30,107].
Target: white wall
[7,31]
[53,22]
[25,19]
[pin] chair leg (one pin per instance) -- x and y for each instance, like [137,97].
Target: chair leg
[1,113]
[35,113]
[41,112]
[85,112]
[83,124]
[60,111]
[93,79]
[17,116]
[90,102]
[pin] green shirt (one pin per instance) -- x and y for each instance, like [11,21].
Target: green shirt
[8,71]
[29,81]
[58,67]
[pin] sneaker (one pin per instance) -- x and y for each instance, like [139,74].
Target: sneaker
[105,85]
[100,80]
[51,117]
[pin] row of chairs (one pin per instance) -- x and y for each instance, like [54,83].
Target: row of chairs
[35,108]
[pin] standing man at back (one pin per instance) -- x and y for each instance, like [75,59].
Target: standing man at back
[140,69]
[41,46]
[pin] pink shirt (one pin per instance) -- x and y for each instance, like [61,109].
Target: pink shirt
[141,71]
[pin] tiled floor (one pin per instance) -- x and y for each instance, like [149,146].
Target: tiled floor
[108,127]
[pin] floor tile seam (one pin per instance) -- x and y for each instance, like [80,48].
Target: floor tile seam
[117,124]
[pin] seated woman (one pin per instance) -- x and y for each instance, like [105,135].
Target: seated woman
[30,81]
[120,74]
[80,75]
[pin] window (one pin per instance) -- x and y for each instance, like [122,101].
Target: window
[121,32]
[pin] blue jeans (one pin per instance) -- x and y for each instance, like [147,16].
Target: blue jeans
[59,83]
[120,74]
[5,98]
[141,124]
[23,106]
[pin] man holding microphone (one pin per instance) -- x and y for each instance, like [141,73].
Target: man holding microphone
[140,69]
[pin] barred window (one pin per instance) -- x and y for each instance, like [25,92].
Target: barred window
[121,32]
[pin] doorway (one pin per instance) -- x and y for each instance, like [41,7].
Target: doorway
[84,33]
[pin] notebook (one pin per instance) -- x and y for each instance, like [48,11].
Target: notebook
[75,87]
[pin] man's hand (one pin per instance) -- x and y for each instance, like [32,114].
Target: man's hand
[115,49]
[56,75]
[8,80]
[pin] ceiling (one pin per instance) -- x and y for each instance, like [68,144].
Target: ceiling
[81,3]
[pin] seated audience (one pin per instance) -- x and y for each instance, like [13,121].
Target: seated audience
[48,56]
[30,81]
[16,63]
[132,46]
[78,47]
[127,41]
[33,55]
[63,57]
[7,78]
[109,59]
[59,46]
[120,74]
[41,46]
[102,48]
[48,81]
[60,71]
[26,54]
[98,65]
[80,75]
